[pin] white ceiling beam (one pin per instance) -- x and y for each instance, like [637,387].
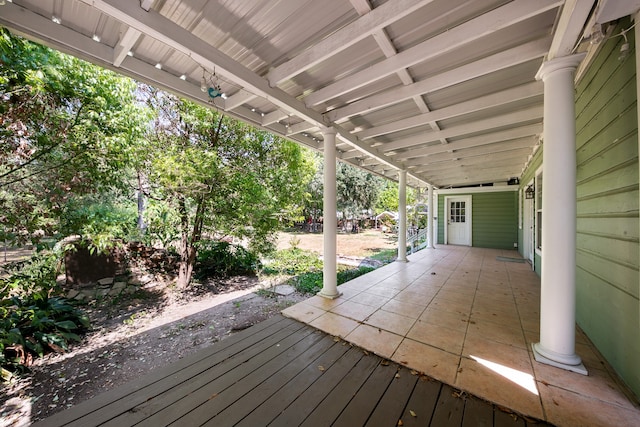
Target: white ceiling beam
[125,43]
[273,117]
[146,4]
[475,141]
[491,161]
[386,45]
[445,159]
[478,174]
[239,98]
[347,36]
[302,127]
[496,99]
[486,24]
[508,119]
[361,6]
[573,17]
[493,63]
[162,29]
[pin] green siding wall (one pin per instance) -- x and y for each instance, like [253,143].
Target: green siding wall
[494,219]
[607,277]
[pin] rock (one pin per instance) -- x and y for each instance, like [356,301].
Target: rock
[107,281]
[72,294]
[119,285]
[284,289]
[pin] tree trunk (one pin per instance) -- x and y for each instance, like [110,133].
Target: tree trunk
[141,206]
[187,251]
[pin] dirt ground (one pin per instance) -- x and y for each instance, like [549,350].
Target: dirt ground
[156,327]
[363,244]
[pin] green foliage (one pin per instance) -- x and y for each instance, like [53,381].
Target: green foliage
[68,128]
[311,283]
[99,223]
[34,325]
[36,276]
[385,256]
[294,261]
[33,322]
[221,259]
[357,190]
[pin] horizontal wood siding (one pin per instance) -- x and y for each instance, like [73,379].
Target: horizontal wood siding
[494,219]
[607,208]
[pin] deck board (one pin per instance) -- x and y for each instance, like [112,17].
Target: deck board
[284,373]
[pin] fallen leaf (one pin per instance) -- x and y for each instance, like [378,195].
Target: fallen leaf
[413,414]
[321,368]
[385,363]
[336,339]
[397,375]
[400,423]
[366,353]
[213,396]
[413,372]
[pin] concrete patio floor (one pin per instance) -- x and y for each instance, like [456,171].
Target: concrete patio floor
[463,316]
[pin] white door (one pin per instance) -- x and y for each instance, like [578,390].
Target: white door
[458,220]
[527,229]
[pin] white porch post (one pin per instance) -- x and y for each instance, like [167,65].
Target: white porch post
[402,216]
[558,288]
[329,271]
[430,240]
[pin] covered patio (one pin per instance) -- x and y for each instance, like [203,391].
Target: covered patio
[440,95]
[462,316]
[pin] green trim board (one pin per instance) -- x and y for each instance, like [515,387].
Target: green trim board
[494,220]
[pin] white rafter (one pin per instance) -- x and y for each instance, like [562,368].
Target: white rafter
[360,29]
[486,24]
[481,67]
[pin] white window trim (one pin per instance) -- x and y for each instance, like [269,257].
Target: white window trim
[537,247]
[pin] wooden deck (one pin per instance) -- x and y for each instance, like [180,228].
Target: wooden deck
[282,372]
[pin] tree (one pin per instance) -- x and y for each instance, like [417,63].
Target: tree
[67,128]
[357,190]
[222,177]
[389,197]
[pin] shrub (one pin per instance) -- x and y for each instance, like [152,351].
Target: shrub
[311,283]
[222,259]
[34,325]
[33,276]
[294,261]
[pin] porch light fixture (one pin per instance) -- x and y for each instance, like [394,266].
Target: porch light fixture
[529,193]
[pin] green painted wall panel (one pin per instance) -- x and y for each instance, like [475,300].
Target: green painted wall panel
[607,278]
[494,218]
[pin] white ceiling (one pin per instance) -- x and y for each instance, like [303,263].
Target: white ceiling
[445,89]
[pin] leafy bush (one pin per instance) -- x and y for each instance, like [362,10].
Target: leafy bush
[294,261]
[33,325]
[99,223]
[35,275]
[311,283]
[216,258]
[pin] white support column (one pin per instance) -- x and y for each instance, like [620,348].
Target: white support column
[329,269]
[402,216]
[430,236]
[558,288]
